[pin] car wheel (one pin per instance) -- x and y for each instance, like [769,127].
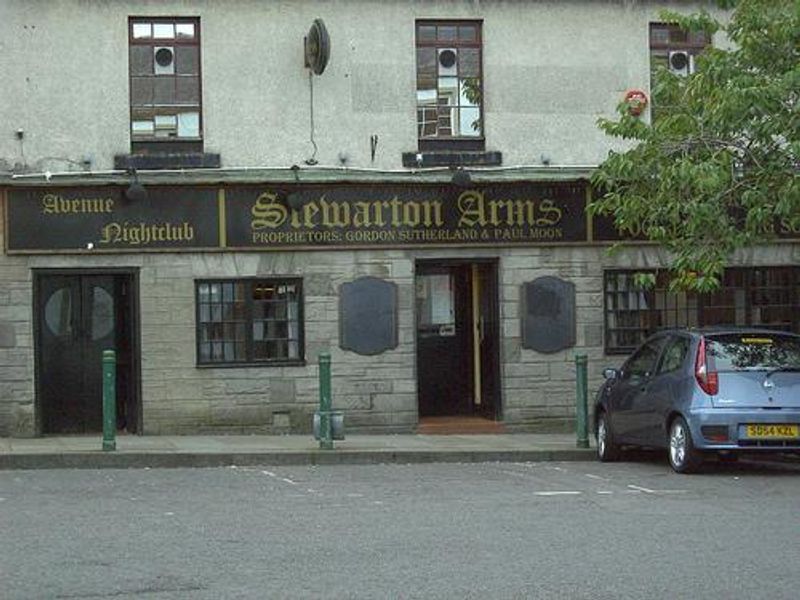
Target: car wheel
[683,457]
[607,449]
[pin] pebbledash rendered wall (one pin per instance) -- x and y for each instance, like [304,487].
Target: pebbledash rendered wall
[551,68]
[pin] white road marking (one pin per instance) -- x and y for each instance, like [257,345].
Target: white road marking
[565,493]
[605,492]
[639,488]
[285,479]
[514,473]
[590,476]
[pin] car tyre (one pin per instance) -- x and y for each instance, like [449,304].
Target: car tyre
[607,448]
[683,456]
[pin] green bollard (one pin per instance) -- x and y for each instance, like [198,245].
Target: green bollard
[581,362]
[325,425]
[109,400]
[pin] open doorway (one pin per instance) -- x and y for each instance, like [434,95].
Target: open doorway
[78,316]
[457,340]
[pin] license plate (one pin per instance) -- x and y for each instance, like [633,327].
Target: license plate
[772,431]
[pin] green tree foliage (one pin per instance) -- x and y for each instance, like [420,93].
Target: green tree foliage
[719,168]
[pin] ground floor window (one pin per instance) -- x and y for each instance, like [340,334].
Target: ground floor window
[253,321]
[766,297]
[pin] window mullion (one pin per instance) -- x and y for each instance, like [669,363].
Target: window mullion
[249,322]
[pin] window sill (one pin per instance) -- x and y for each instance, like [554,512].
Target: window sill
[236,365]
[172,158]
[452,158]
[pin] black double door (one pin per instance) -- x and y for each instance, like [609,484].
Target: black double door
[457,339]
[80,316]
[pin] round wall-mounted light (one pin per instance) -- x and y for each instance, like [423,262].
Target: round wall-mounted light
[317,47]
[136,192]
[461,178]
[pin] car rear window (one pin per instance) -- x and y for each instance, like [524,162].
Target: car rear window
[756,351]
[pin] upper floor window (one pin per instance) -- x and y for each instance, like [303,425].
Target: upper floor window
[675,49]
[449,81]
[165,90]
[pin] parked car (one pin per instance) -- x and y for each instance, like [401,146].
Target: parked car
[698,392]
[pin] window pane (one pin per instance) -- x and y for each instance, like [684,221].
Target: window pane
[187,60]
[448,33]
[470,122]
[187,90]
[141,60]
[163,30]
[142,128]
[205,313]
[141,31]
[426,121]
[184,30]
[469,62]
[448,90]
[189,124]
[142,91]
[58,312]
[102,313]
[216,313]
[659,34]
[426,62]
[164,90]
[467,33]
[470,92]
[426,33]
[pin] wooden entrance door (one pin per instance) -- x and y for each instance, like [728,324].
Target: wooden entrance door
[457,339]
[79,316]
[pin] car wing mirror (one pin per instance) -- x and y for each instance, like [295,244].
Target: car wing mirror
[611,373]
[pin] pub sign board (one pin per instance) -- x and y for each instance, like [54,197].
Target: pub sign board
[300,216]
[266,217]
[410,215]
[102,218]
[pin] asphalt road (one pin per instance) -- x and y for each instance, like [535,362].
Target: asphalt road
[496,530]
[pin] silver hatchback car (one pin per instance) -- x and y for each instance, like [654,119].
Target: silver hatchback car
[697,392]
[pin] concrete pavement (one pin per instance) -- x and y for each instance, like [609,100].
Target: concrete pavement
[78,452]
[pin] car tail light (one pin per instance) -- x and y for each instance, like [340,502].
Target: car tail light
[704,372]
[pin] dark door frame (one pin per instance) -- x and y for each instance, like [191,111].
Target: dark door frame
[494,262]
[136,387]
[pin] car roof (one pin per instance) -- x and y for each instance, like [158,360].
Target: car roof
[724,330]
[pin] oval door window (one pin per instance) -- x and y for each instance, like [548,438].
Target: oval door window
[58,312]
[102,313]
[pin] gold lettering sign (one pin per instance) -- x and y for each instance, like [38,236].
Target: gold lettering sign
[268,212]
[55,204]
[476,210]
[142,234]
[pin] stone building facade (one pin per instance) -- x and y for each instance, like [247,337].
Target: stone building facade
[220,192]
